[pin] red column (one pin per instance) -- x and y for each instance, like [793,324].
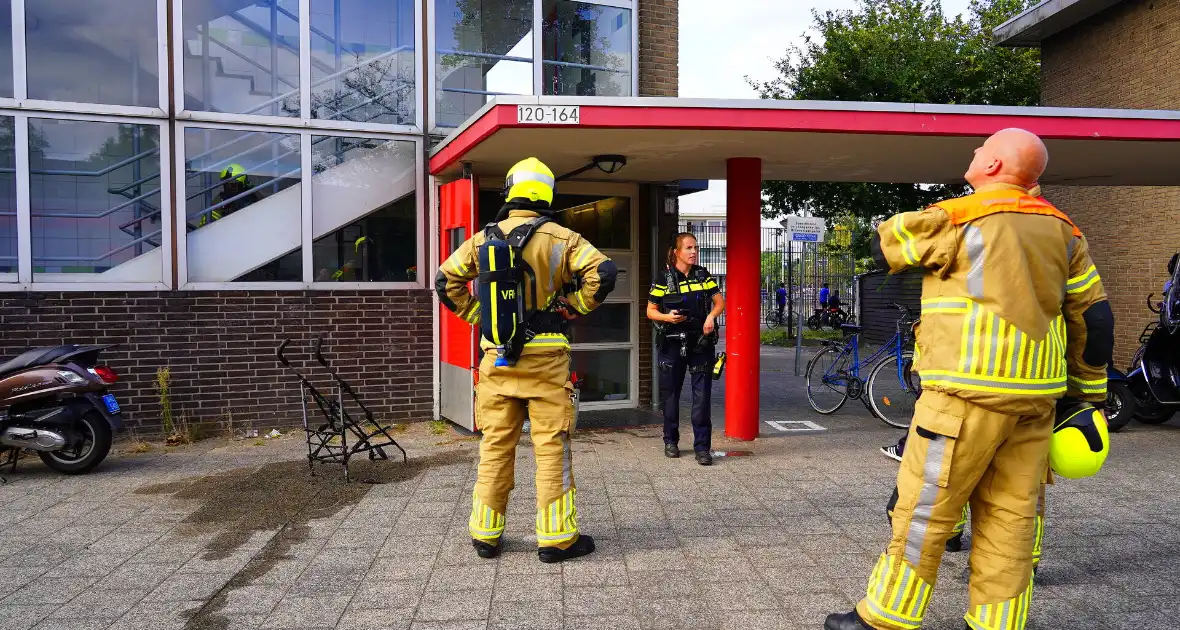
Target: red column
[742,314]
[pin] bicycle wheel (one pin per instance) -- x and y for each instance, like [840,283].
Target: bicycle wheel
[891,398]
[771,319]
[827,379]
[815,322]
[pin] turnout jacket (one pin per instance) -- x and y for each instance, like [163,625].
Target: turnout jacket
[1014,314]
[557,255]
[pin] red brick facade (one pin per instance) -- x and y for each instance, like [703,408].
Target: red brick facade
[1125,57]
[220,348]
[659,48]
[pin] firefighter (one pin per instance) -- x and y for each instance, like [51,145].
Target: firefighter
[233,183]
[685,301]
[536,375]
[1014,317]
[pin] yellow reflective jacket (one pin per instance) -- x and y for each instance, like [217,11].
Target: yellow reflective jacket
[555,253]
[1014,315]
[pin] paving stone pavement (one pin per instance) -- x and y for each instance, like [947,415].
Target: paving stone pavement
[228,535]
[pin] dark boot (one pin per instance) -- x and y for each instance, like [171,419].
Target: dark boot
[845,621]
[671,450]
[485,550]
[955,544]
[583,546]
[704,458]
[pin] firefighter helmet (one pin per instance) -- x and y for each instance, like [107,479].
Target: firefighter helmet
[529,180]
[1080,442]
[235,172]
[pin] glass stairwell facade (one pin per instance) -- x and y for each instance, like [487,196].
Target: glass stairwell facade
[279,144]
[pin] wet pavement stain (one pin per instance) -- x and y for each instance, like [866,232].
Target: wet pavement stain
[283,496]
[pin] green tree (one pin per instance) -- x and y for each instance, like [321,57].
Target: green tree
[903,51]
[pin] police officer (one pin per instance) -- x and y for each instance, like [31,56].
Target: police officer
[539,378]
[1014,316]
[685,301]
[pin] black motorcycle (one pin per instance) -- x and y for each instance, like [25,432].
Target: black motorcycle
[1154,374]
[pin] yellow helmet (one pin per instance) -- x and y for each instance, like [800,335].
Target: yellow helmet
[1080,442]
[529,180]
[234,171]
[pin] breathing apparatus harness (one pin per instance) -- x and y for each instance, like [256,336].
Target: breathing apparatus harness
[505,321]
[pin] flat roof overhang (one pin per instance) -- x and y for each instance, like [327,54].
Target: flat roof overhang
[1046,19]
[668,139]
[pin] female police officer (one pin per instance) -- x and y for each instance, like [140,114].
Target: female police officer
[684,302]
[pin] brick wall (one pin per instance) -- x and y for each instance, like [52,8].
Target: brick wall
[220,347]
[1125,57]
[659,52]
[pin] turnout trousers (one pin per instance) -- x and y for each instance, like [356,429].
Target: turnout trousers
[672,369]
[540,382]
[959,453]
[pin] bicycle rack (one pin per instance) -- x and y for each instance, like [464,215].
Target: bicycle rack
[322,440]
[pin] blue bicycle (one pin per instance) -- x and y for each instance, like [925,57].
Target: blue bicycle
[833,375]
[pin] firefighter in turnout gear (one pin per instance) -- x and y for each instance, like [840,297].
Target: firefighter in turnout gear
[1014,317]
[233,183]
[533,277]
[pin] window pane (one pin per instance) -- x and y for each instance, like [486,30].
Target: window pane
[484,48]
[6,48]
[607,374]
[241,59]
[364,210]
[95,199]
[587,49]
[609,323]
[8,251]
[244,206]
[98,51]
[604,221]
[362,61]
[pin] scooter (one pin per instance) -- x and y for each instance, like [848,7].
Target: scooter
[1121,404]
[58,406]
[1154,375]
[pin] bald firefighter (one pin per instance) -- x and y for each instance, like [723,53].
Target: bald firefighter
[1014,317]
[523,264]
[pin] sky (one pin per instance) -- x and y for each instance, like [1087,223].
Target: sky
[745,37]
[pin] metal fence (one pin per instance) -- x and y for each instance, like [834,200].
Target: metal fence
[802,267]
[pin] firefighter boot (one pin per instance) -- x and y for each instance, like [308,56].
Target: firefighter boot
[845,621]
[583,546]
[485,550]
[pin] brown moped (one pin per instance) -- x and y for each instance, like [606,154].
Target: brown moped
[55,402]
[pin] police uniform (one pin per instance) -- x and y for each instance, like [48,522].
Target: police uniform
[539,380]
[691,294]
[1014,317]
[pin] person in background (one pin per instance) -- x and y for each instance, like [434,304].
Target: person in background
[823,295]
[685,302]
[780,296]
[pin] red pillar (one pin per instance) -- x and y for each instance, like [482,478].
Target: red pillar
[742,313]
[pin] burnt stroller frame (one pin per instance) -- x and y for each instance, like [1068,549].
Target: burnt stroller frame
[339,422]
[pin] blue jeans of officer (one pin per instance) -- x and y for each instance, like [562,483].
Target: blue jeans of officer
[672,368]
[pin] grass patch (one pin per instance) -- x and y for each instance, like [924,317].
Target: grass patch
[786,339]
[438,427]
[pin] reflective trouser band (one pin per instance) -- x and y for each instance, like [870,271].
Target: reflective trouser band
[558,522]
[897,595]
[1009,615]
[924,508]
[485,523]
[1040,536]
[962,524]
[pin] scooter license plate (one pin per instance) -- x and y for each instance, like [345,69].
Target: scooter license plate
[111,403]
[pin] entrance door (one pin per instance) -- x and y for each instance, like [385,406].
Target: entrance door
[457,343]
